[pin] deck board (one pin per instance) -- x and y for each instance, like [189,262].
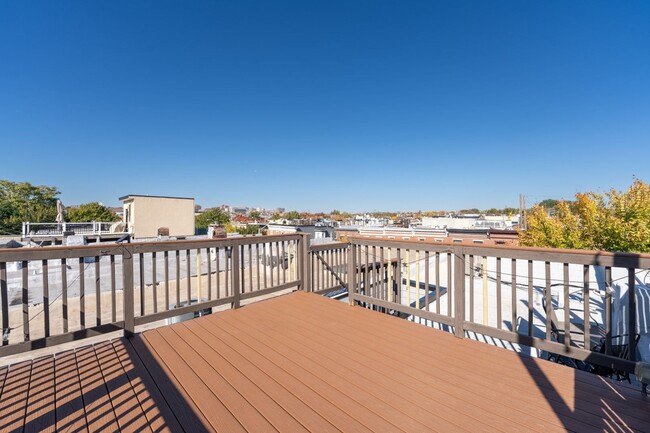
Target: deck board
[129,416]
[155,408]
[301,362]
[70,414]
[40,411]
[15,392]
[97,402]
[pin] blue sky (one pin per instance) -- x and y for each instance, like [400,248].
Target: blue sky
[321,105]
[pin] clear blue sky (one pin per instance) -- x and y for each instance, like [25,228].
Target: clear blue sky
[316,105]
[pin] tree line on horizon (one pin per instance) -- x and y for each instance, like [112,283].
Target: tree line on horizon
[613,221]
[23,202]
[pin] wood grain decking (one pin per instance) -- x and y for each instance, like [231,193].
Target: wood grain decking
[302,362]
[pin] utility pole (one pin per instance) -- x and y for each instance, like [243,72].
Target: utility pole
[522,211]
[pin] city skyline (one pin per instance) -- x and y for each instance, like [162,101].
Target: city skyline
[320,106]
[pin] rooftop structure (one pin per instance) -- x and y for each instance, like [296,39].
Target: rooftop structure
[146,216]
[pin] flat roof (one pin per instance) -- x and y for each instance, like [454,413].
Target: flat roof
[153,196]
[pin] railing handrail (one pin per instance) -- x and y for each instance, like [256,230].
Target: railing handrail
[558,255]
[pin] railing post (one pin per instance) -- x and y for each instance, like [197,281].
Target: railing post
[631,318]
[127,292]
[236,289]
[305,263]
[459,292]
[352,273]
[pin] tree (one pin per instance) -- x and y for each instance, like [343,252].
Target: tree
[276,216]
[24,202]
[92,211]
[255,215]
[614,221]
[293,215]
[211,216]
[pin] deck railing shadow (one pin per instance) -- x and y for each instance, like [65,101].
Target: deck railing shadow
[76,393]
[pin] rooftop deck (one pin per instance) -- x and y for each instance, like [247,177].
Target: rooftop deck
[301,362]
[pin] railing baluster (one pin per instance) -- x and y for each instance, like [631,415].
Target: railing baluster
[631,288]
[250,266]
[218,272]
[471,288]
[257,264]
[235,275]
[352,271]
[113,294]
[485,290]
[530,298]
[188,272]
[417,279]
[567,309]
[46,298]
[166,271]
[426,280]
[585,297]
[242,269]
[226,254]
[82,294]
[499,299]
[284,268]
[382,270]
[408,277]
[438,283]
[4,298]
[209,264]
[25,293]
[549,300]
[389,275]
[98,294]
[450,297]
[277,255]
[398,276]
[266,264]
[177,253]
[459,289]
[608,311]
[513,294]
[64,293]
[154,282]
[141,277]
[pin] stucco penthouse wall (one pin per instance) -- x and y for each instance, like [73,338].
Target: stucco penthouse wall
[151,213]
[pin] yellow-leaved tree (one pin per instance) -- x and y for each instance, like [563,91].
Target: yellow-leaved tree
[614,221]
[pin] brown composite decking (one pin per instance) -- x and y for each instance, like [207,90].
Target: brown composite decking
[301,362]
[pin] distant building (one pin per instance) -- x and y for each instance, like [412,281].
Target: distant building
[315,232]
[146,216]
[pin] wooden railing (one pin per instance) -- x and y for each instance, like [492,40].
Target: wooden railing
[556,301]
[526,296]
[328,267]
[55,295]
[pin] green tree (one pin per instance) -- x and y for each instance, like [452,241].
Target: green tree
[549,203]
[293,215]
[614,221]
[211,216]
[92,211]
[275,216]
[255,215]
[21,202]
